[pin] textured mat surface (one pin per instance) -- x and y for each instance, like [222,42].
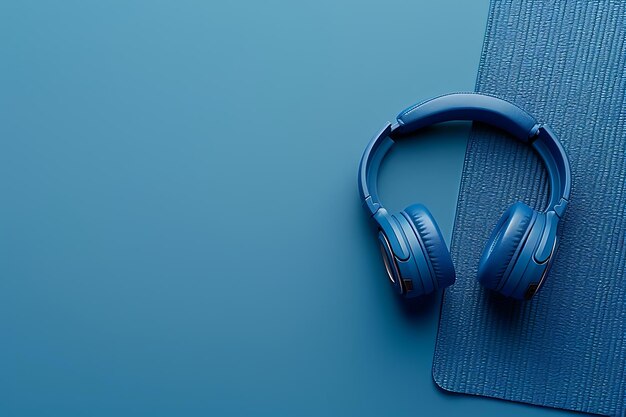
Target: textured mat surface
[565,62]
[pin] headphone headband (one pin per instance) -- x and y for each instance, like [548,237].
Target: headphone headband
[470,107]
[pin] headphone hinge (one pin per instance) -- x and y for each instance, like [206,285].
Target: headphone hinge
[534,133]
[559,208]
[371,206]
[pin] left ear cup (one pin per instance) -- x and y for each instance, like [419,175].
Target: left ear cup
[433,246]
[505,242]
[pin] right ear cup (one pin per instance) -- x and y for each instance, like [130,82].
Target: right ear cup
[432,245]
[503,245]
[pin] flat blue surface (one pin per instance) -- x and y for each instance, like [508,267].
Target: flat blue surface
[180,232]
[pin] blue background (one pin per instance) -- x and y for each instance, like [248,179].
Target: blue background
[180,227]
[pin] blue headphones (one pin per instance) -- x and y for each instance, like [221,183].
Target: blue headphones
[520,251]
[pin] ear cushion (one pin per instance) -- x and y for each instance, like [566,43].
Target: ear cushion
[434,245]
[503,244]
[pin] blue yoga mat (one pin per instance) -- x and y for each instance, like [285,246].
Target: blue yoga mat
[565,62]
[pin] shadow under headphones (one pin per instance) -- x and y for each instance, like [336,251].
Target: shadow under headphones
[520,251]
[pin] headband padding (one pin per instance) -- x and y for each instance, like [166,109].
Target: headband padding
[468,106]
